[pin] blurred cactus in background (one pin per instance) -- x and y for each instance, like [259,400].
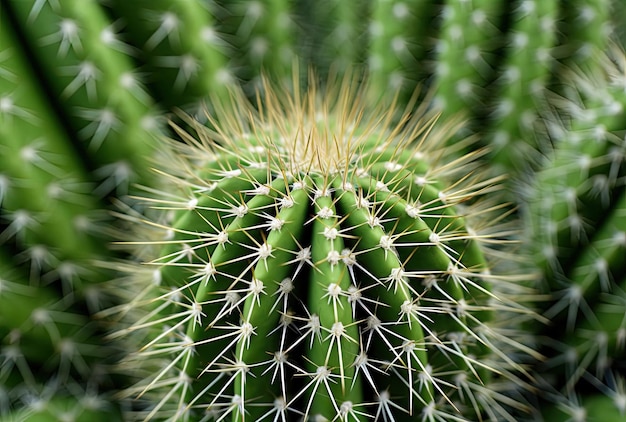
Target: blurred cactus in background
[59,163]
[576,222]
[532,90]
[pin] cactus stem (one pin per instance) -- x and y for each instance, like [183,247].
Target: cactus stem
[313,244]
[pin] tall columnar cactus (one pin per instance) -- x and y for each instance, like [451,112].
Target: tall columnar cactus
[586,29]
[400,35]
[263,35]
[180,50]
[64,110]
[577,212]
[608,403]
[470,36]
[333,33]
[82,408]
[519,101]
[314,261]
[79,62]
[53,360]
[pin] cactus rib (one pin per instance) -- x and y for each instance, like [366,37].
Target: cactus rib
[308,277]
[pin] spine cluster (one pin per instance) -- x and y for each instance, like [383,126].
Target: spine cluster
[575,209]
[339,249]
[324,269]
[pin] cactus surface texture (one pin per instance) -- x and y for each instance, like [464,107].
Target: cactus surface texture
[338,244]
[577,233]
[315,260]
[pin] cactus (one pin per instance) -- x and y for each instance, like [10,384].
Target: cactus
[606,401]
[263,34]
[333,34]
[59,164]
[85,71]
[181,51]
[50,350]
[313,264]
[52,231]
[400,34]
[576,213]
[84,408]
[466,52]
[84,87]
[520,100]
[586,29]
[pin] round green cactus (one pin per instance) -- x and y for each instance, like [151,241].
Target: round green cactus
[315,260]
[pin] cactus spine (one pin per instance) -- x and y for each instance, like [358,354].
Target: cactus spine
[78,111]
[181,51]
[317,265]
[87,73]
[576,210]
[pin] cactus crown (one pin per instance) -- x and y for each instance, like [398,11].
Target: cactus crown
[312,265]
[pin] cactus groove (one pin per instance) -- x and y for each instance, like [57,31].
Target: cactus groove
[315,265]
[313,256]
[577,233]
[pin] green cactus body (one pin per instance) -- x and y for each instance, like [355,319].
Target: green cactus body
[304,258]
[318,267]
[87,71]
[180,48]
[585,33]
[26,331]
[52,231]
[466,47]
[607,404]
[524,75]
[86,408]
[49,348]
[588,300]
[581,181]
[576,216]
[333,34]
[586,29]
[47,198]
[399,36]
[264,39]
